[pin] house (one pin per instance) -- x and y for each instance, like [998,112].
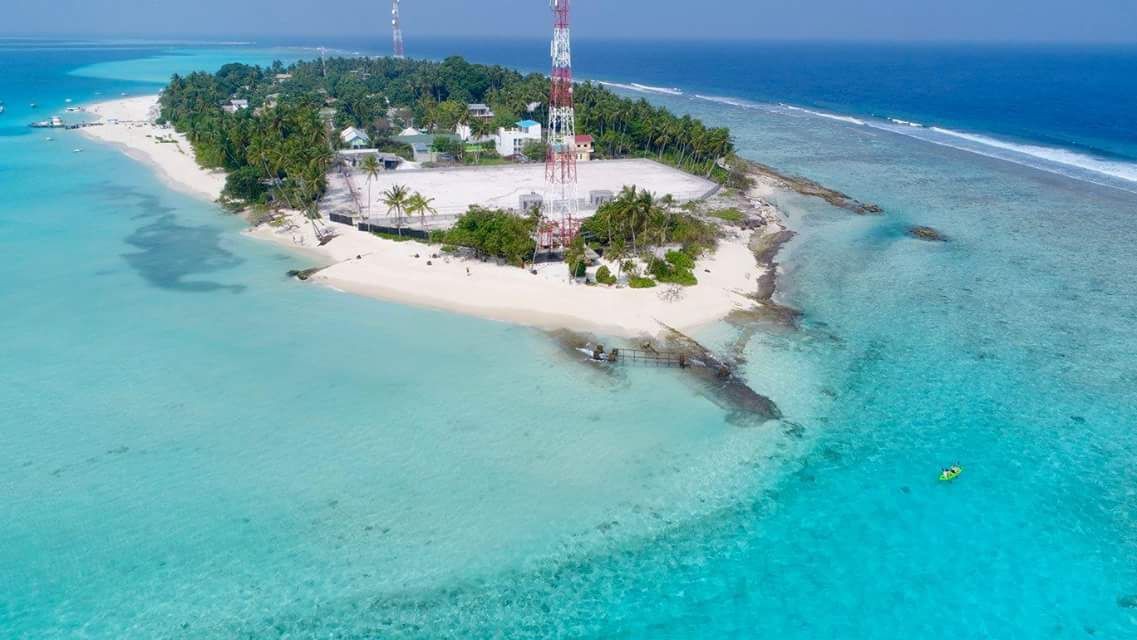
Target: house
[233,106]
[410,131]
[422,144]
[511,142]
[479,110]
[282,77]
[354,157]
[354,138]
[583,148]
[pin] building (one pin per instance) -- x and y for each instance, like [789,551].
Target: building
[233,106]
[355,157]
[583,148]
[511,142]
[479,110]
[354,138]
[421,144]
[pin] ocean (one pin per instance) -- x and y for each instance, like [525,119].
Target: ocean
[195,446]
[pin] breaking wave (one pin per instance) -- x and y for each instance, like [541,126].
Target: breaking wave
[1078,165]
[671,91]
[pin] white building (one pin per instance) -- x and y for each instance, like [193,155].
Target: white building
[233,106]
[354,138]
[479,110]
[511,142]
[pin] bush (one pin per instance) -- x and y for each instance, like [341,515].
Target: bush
[579,269]
[437,236]
[494,233]
[665,271]
[680,260]
[641,283]
[604,276]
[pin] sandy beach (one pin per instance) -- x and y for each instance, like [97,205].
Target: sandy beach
[417,274]
[129,124]
[364,264]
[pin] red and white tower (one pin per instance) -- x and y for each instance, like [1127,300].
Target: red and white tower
[560,161]
[397,29]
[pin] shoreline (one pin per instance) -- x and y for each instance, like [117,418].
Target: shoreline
[734,278]
[128,124]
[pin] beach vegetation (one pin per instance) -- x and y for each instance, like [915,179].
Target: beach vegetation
[496,234]
[637,282]
[729,214]
[397,198]
[604,275]
[420,205]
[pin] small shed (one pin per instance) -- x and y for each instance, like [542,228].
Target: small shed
[599,197]
[530,201]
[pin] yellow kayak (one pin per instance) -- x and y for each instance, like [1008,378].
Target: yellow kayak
[951,473]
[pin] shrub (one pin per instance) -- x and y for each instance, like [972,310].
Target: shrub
[665,271]
[579,269]
[680,260]
[494,233]
[604,276]
[636,282]
[437,236]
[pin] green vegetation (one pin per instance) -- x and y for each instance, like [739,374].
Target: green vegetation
[496,234]
[604,275]
[730,215]
[637,282]
[673,271]
[280,148]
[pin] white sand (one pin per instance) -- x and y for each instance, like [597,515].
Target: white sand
[500,186]
[388,270]
[129,124]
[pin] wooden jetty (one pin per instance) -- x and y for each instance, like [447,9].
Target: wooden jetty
[647,357]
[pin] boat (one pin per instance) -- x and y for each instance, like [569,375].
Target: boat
[951,473]
[76,150]
[68,100]
[34,105]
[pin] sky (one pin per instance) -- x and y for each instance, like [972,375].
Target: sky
[1104,21]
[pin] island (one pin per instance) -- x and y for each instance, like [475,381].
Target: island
[420,182]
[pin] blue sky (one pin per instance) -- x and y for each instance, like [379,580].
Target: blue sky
[983,20]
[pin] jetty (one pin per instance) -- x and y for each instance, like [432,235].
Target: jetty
[649,357]
[58,123]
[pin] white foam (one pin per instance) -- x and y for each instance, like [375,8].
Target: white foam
[827,116]
[905,123]
[671,91]
[1121,170]
[734,102]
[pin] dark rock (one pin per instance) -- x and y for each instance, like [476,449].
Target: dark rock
[1128,602]
[927,233]
[304,274]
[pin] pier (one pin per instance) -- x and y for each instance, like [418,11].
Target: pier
[642,357]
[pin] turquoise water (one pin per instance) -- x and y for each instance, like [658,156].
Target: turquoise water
[196,446]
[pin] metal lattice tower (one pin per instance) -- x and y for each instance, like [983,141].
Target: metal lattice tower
[560,160]
[397,30]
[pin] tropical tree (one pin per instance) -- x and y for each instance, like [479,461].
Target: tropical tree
[420,205]
[370,166]
[396,199]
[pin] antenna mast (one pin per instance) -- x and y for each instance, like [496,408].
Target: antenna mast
[397,30]
[560,159]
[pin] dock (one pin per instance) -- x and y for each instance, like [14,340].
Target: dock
[646,357]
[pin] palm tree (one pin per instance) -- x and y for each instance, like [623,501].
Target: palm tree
[422,206]
[396,200]
[370,166]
